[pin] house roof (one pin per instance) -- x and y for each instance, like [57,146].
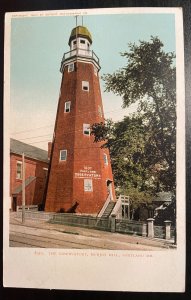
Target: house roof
[163,197]
[18,147]
[27,182]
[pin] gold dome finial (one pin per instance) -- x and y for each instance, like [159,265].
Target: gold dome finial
[80,31]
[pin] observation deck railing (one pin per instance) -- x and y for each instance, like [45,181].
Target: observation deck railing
[80,53]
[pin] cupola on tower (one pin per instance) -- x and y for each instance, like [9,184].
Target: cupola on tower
[80,176]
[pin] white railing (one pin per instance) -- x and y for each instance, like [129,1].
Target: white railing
[80,52]
[118,206]
[28,207]
[124,199]
[117,210]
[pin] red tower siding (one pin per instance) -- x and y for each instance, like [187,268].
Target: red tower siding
[84,157]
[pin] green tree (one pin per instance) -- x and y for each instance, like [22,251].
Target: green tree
[127,141]
[143,147]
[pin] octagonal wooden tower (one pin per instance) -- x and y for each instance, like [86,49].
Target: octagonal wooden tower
[80,177]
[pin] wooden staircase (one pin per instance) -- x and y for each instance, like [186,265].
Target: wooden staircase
[105,212]
[108,209]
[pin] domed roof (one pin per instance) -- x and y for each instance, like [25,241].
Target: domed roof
[80,31]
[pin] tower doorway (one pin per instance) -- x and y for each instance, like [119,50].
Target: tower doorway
[109,189]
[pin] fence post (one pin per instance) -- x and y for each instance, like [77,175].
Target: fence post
[167,229]
[113,216]
[144,229]
[150,223]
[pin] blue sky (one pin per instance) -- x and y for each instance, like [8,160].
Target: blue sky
[37,47]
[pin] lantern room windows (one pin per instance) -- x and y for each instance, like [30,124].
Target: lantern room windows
[85,86]
[67,106]
[88,185]
[63,155]
[86,129]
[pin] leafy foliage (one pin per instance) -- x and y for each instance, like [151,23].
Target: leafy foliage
[143,146]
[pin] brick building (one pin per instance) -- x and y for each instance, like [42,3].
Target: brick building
[36,167]
[80,174]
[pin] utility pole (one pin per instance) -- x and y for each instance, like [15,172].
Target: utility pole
[23,188]
[76,35]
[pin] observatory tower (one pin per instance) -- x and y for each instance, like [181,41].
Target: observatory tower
[80,175]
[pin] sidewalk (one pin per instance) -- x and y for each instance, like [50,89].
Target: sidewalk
[66,236]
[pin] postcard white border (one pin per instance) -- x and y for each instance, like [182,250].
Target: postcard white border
[164,271]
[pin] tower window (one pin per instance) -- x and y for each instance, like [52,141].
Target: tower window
[85,85]
[74,42]
[100,111]
[82,41]
[19,170]
[67,106]
[63,155]
[95,71]
[88,186]
[105,159]
[71,67]
[86,129]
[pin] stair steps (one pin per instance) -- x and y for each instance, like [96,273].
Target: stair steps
[108,209]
